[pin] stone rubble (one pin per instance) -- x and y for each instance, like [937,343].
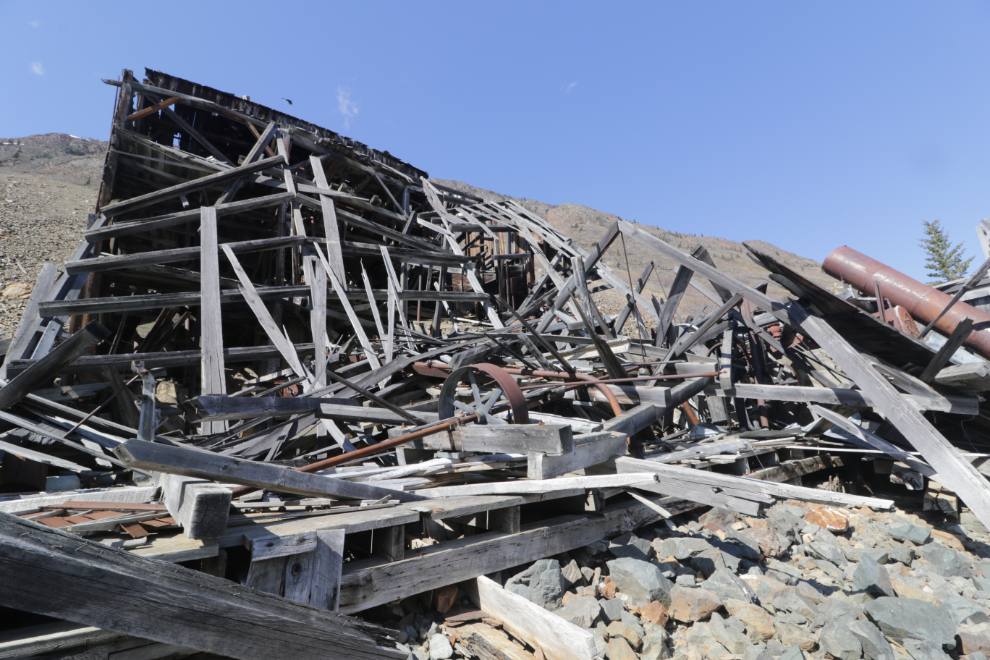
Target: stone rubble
[887,586]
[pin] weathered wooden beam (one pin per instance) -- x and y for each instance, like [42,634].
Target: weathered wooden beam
[170,604]
[939,453]
[753,489]
[956,404]
[558,638]
[201,507]
[45,369]
[194,185]
[944,354]
[213,379]
[207,465]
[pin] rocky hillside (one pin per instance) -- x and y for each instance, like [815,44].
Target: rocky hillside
[587,225]
[48,183]
[57,155]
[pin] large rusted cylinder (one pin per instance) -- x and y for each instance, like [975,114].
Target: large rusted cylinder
[922,301]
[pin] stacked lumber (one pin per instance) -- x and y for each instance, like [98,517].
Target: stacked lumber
[325,383]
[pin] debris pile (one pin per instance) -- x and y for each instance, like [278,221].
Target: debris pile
[286,379]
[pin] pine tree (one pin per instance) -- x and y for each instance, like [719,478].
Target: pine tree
[943,262]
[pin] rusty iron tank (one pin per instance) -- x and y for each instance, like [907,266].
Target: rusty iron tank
[923,302]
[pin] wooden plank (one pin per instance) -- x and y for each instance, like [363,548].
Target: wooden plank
[960,405]
[587,452]
[44,370]
[330,227]
[557,638]
[159,257]
[123,495]
[264,317]
[328,562]
[514,438]
[873,441]
[187,187]
[213,378]
[970,378]
[129,228]
[41,457]
[341,291]
[716,276]
[171,604]
[207,465]
[743,487]
[677,290]
[30,319]
[939,453]
[481,641]
[687,341]
[944,354]
[367,583]
[201,507]
[542,485]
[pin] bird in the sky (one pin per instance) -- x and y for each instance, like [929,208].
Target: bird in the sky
[288,101]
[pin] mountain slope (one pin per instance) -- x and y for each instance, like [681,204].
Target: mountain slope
[586,226]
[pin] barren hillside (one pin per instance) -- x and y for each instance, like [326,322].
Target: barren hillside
[586,226]
[48,183]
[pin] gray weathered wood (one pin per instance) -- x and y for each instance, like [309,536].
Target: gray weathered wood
[874,441]
[940,454]
[194,185]
[201,507]
[30,318]
[960,405]
[944,354]
[171,604]
[514,438]
[213,379]
[743,487]
[558,638]
[587,452]
[51,365]
[207,465]
[367,583]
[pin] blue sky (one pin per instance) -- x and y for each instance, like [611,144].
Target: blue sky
[809,125]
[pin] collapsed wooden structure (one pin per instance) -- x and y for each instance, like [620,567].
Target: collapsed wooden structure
[279,346]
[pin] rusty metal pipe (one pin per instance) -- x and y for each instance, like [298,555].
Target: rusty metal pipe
[923,302]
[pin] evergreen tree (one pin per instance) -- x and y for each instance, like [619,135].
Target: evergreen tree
[944,262]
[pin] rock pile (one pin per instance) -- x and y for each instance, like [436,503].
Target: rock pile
[802,582]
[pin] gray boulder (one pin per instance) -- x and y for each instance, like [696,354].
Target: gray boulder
[836,609]
[611,610]
[786,524]
[839,641]
[583,612]
[541,583]
[879,555]
[872,578]
[710,560]
[782,572]
[727,635]
[914,533]
[630,545]
[907,618]
[875,645]
[923,650]
[946,561]
[682,548]
[801,608]
[640,580]
[728,585]
[826,551]
[440,648]
[902,555]
[964,611]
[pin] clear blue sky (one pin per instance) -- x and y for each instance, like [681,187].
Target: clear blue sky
[809,125]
